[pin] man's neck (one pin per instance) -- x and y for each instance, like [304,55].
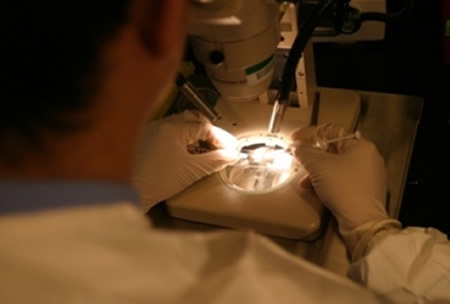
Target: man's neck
[82,155]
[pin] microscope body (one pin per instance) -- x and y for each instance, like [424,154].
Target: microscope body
[238,51]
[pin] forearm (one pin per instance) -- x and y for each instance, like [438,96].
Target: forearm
[406,266]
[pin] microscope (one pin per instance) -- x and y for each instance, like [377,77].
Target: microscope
[258,55]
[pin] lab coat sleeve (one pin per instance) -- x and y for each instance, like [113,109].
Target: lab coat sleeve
[406,266]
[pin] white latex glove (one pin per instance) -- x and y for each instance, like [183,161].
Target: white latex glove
[164,166]
[350,179]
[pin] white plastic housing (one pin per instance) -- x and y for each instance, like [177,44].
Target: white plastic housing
[246,42]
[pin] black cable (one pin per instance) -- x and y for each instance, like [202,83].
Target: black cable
[307,29]
[304,34]
[341,6]
[384,17]
[302,38]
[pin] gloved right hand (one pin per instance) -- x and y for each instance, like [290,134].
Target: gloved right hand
[350,179]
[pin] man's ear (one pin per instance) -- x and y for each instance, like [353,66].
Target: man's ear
[159,23]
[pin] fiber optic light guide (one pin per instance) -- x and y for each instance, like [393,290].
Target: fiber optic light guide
[265,165]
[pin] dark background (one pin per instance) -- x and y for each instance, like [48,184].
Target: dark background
[408,61]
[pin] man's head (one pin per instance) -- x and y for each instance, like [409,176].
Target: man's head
[51,60]
[67,65]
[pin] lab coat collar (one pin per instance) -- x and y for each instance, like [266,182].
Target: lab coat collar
[28,196]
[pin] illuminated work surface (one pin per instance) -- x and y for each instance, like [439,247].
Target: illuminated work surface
[387,119]
[285,210]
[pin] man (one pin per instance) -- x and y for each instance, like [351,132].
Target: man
[79,81]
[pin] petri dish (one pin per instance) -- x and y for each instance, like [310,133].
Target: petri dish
[266,164]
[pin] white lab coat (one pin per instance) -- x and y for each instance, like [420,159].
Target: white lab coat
[108,254]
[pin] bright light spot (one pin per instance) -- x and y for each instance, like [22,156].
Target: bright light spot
[282,161]
[264,166]
[225,139]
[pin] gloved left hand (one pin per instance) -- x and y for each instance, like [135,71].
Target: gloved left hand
[350,179]
[163,165]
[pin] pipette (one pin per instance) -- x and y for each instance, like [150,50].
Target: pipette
[322,144]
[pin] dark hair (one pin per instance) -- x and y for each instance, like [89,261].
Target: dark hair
[50,61]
